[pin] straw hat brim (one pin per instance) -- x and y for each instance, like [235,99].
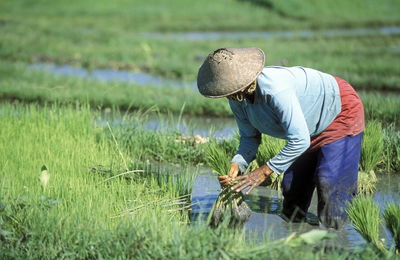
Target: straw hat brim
[229,70]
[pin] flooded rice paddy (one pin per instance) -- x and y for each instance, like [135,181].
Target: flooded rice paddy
[141,78]
[266,205]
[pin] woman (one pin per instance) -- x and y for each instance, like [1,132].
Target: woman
[320,116]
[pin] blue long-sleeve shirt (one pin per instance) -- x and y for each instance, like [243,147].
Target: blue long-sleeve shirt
[293,103]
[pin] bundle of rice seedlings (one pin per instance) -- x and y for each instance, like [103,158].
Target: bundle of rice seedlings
[366,182]
[230,206]
[268,148]
[372,146]
[391,216]
[371,155]
[364,215]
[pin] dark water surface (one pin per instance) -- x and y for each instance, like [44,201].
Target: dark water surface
[266,205]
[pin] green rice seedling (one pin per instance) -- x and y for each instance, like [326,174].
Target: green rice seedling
[391,216]
[365,217]
[217,158]
[230,145]
[372,146]
[391,160]
[164,55]
[162,145]
[381,106]
[111,214]
[268,148]
[229,206]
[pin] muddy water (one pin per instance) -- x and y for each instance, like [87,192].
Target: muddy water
[266,205]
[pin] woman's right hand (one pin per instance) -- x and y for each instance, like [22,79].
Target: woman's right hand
[233,173]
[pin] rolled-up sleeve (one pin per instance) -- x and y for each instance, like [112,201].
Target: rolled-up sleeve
[250,138]
[286,106]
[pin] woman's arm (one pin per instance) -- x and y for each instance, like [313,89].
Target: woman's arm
[286,106]
[250,138]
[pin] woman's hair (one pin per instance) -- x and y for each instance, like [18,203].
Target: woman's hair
[239,96]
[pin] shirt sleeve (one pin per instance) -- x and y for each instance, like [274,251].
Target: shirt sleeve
[250,138]
[286,106]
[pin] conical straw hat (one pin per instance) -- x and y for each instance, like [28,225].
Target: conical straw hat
[229,70]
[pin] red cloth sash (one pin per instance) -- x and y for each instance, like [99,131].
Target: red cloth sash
[349,122]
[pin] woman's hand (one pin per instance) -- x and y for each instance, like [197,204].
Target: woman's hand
[233,173]
[252,179]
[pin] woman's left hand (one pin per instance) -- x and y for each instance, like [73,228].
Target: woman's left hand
[252,179]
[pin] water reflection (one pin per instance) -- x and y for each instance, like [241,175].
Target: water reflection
[305,34]
[110,75]
[266,205]
[220,128]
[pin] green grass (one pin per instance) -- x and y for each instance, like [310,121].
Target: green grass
[180,15]
[32,86]
[101,34]
[366,62]
[339,13]
[384,107]
[87,211]
[166,145]
[136,16]
[78,200]
[18,83]
[103,198]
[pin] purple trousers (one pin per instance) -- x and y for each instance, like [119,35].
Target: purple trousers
[333,170]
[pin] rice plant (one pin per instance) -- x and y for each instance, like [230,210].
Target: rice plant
[371,155]
[364,215]
[391,159]
[372,146]
[268,148]
[230,206]
[391,216]
[112,214]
